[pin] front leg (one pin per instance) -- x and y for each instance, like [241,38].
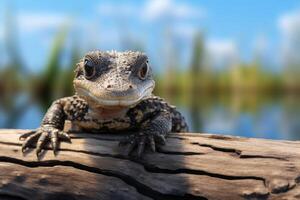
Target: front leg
[152,132]
[51,129]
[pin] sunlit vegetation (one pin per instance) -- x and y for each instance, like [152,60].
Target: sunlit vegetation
[240,78]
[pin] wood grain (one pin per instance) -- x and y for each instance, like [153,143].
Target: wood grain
[189,166]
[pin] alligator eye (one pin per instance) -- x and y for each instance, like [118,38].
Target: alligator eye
[89,69]
[143,71]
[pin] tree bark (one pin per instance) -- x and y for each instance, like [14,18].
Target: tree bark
[189,166]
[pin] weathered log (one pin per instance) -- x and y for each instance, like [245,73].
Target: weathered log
[189,166]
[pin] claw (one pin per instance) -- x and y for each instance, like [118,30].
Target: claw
[141,146]
[42,136]
[161,139]
[142,140]
[28,142]
[131,146]
[41,142]
[25,135]
[152,143]
[54,142]
[64,136]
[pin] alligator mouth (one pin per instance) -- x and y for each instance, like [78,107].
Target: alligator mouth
[123,101]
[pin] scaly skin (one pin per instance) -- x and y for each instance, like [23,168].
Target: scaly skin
[113,94]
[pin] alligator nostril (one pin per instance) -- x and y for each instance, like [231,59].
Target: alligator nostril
[130,86]
[108,86]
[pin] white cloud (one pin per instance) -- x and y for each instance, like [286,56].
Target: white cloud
[289,25]
[222,52]
[31,22]
[157,9]
[151,10]
[185,31]
[121,10]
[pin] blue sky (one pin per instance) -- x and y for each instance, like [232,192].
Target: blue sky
[233,29]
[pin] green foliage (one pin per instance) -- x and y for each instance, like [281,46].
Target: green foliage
[199,78]
[197,55]
[43,85]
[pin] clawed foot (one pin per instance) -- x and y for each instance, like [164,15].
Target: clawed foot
[141,140]
[41,137]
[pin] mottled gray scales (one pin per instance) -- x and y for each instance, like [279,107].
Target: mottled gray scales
[113,94]
[75,107]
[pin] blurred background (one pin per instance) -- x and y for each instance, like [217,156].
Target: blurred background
[230,67]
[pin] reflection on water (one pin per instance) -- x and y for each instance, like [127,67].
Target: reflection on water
[271,117]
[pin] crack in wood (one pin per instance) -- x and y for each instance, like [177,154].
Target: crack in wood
[94,138]
[150,168]
[155,169]
[10,143]
[8,196]
[222,149]
[245,156]
[256,195]
[178,138]
[140,187]
[237,152]
[185,153]
[222,137]
[159,150]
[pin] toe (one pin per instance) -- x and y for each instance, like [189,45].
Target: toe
[54,141]
[41,143]
[26,135]
[160,139]
[131,146]
[152,143]
[141,146]
[64,136]
[30,140]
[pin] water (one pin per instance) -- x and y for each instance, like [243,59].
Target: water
[262,117]
[270,117]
